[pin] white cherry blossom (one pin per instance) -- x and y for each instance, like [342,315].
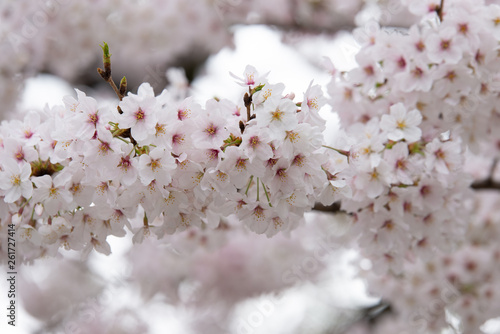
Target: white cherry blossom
[15,180]
[402,124]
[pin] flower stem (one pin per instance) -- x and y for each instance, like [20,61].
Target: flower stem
[343,152]
[249,183]
[258,189]
[267,195]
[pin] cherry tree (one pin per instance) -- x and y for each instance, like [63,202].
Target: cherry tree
[216,199]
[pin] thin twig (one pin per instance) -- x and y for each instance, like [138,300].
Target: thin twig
[488,183]
[439,11]
[106,73]
[247,99]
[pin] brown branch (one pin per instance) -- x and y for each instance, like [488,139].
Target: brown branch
[487,184]
[374,313]
[439,11]
[334,208]
[247,99]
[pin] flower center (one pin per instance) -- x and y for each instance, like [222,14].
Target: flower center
[19,155]
[401,164]
[28,134]
[369,71]
[182,114]
[445,44]
[313,103]
[213,154]
[93,118]
[388,225]
[298,160]
[15,180]
[160,129]
[450,75]
[104,148]
[292,136]
[258,212]
[211,130]
[271,162]
[281,173]
[53,192]
[125,163]
[221,176]
[254,141]
[177,139]
[155,164]
[278,222]
[250,79]
[463,28]
[401,62]
[140,115]
[277,115]
[241,164]
[266,94]
[420,46]
[417,72]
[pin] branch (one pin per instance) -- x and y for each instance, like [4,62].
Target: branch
[334,208]
[372,315]
[311,29]
[488,183]
[106,73]
[439,11]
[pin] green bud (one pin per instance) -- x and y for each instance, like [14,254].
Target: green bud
[258,88]
[123,86]
[105,53]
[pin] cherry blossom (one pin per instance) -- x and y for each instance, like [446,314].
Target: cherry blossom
[15,180]
[139,113]
[401,124]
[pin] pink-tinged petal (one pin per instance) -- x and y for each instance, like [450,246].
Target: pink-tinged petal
[398,111]
[11,166]
[25,172]
[13,195]
[145,90]
[27,189]
[396,135]
[413,118]
[387,122]
[412,134]
[44,181]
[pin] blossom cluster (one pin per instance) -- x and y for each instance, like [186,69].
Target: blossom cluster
[419,201]
[72,175]
[418,101]
[463,283]
[204,276]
